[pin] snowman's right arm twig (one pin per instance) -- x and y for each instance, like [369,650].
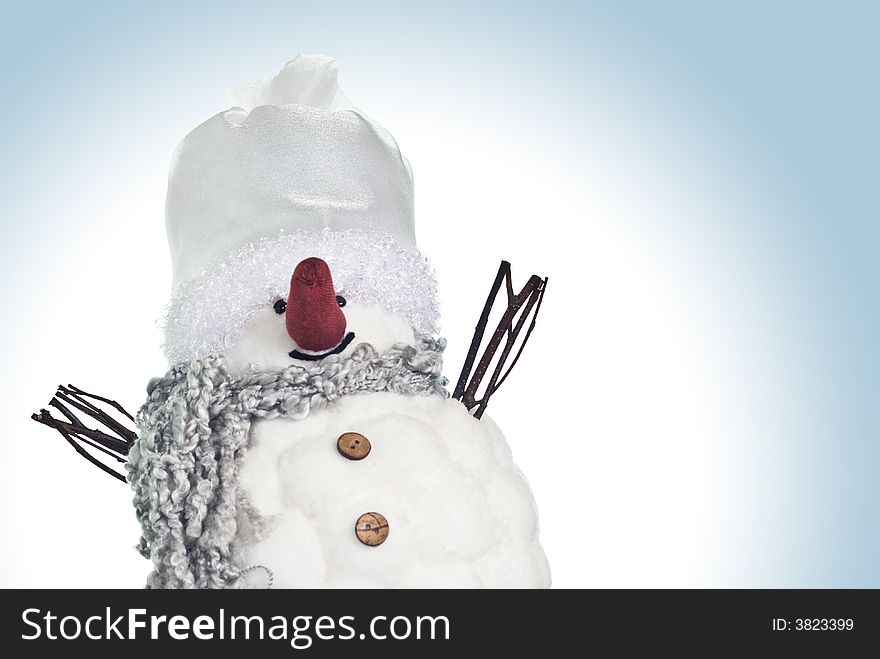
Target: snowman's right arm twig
[115,440]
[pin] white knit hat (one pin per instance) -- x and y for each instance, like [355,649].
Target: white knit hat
[296,171]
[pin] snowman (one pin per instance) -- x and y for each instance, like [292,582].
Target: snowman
[303,436]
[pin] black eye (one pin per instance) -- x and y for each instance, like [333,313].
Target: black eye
[340,300]
[280,306]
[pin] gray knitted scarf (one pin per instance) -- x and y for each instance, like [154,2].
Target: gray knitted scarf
[194,431]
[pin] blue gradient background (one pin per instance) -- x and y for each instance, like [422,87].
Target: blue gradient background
[775,104]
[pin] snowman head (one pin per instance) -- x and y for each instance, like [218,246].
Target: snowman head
[314,321]
[281,210]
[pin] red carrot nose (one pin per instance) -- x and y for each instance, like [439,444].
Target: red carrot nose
[314,319]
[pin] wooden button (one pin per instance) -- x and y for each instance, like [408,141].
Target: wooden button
[353,446]
[371,529]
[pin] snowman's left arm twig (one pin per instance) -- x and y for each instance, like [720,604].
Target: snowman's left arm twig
[530,297]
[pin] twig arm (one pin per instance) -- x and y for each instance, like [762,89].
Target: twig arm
[114,439]
[520,304]
[44,417]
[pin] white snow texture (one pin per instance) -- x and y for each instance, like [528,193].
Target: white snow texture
[460,513]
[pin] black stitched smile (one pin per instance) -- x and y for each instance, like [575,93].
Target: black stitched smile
[296,354]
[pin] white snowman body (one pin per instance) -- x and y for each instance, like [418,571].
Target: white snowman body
[459,512]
